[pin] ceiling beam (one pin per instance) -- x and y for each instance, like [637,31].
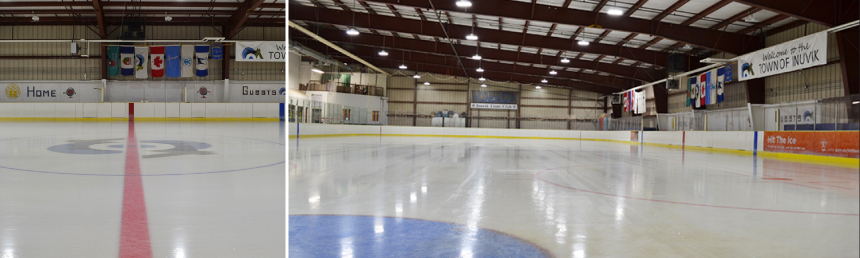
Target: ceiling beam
[716,40]
[363,20]
[635,7]
[100,17]
[764,23]
[469,64]
[736,17]
[669,10]
[628,72]
[827,12]
[237,21]
[704,13]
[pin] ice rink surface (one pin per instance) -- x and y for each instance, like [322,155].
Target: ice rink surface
[202,189]
[469,197]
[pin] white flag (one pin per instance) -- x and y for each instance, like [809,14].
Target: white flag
[187,60]
[141,66]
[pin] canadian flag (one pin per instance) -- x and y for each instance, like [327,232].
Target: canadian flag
[156,54]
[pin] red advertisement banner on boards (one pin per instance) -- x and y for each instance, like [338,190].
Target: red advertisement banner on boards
[837,144]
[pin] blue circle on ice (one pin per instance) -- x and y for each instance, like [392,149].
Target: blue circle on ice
[364,236]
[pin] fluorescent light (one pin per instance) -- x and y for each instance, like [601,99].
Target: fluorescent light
[426,83]
[316,70]
[543,81]
[416,76]
[482,79]
[537,87]
[35,18]
[352,32]
[383,53]
[552,72]
[403,66]
[565,60]
[480,70]
[476,57]
[582,43]
[168,18]
[615,11]
[464,3]
[483,85]
[855,102]
[471,37]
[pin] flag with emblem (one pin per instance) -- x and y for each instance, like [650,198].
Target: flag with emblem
[126,56]
[187,60]
[141,71]
[720,83]
[201,53]
[113,60]
[172,60]
[156,54]
[624,102]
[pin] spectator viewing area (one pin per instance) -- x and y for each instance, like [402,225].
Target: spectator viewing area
[597,128]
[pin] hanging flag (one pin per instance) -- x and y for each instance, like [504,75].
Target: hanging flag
[127,58]
[201,53]
[703,89]
[728,72]
[721,73]
[187,59]
[634,104]
[173,64]
[140,62]
[640,102]
[157,57]
[624,103]
[113,60]
[712,87]
[690,94]
[217,51]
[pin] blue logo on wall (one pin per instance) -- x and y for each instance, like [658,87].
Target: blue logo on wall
[250,53]
[747,70]
[282,91]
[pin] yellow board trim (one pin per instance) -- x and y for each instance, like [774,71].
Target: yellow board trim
[138,119]
[803,158]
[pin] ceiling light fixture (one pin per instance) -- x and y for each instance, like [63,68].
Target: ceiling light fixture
[471,37]
[167,17]
[543,81]
[352,31]
[615,11]
[383,53]
[35,18]
[316,70]
[750,18]
[480,70]
[426,83]
[565,60]
[482,79]
[582,43]
[537,87]
[476,57]
[416,76]
[464,3]
[552,72]
[403,66]
[483,85]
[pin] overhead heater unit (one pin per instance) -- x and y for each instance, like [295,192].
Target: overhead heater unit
[616,99]
[133,30]
[672,85]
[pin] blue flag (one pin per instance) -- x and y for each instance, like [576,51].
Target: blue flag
[201,54]
[174,66]
[126,57]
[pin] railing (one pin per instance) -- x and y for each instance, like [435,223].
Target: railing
[333,86]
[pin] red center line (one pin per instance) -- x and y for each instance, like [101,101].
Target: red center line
[134,232]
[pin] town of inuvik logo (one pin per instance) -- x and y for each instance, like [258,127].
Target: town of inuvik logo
[13,91]
[186,62]
[250,53]
[69,92]
[283,91]
[152,149]
[203,91]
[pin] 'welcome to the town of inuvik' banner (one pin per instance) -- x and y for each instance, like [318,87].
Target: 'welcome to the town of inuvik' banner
[790,56]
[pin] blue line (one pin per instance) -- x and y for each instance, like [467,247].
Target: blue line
[755,143]
[281,107]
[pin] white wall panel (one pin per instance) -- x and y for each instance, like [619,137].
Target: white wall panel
[171,109]
[147,109]
[198,109]
[119,109]
[185,109]
[103,110]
